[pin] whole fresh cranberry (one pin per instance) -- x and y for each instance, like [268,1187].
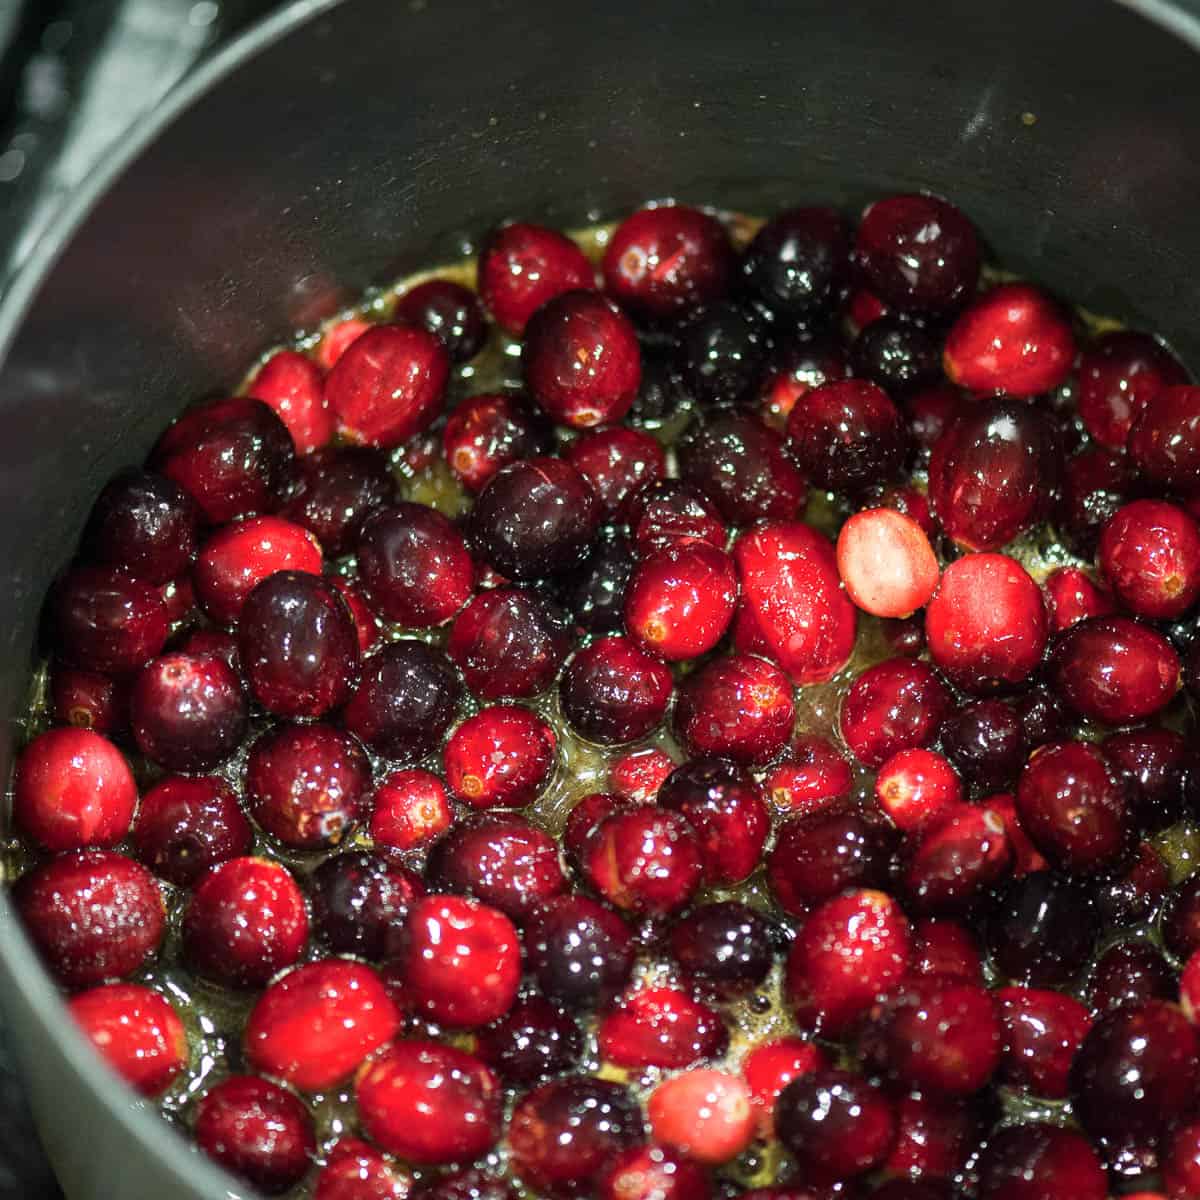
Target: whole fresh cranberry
[660,1027]
[914,787]
[461,960]
[886,562]
[617,462]
[502,756]
[217,643]
[89,700]
[595,593]
[294,387]
[725,946]
[1181,1162]
[1181,918]
[1150,555]
[467,1183]
[137,1032]
[584,819]
[184,826]
[355,1171]
[771,1066]
[1164,442]
[1071,596]
[531,1041]
[1043,1031]
[1042,929]
[1095,484]
[578,950]
[1040,1162]
[406,700]
[92,915]
[522,266]
[356,900]
[898,355]
[793,371]
[813,775]
[653,1173]
[144,524]
[798,260]
[336,489]
[928,413]
[245,921]
[720,354]
[256,1130]
[613,692]
[638,774]
[705,1113]
[944,946]
[895,705]
[1157,766]
[1131,973]
[336,339]
[985,743]
[935,1135]
[1136,892]
[962,853]
[410,809]
[450,312]
[670,511]
[815,857]
[489,431]
[107,621]
[644,860]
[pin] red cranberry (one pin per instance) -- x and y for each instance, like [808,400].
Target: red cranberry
[92,915]
[360,1173]
[245,921]
[771,1066]
[1155,765]
[584,819]
[896,705]
[742,466]
[660,1027]
[406,700]
[467,1183]
[812,776]
[1043,1031]
[73,788]
[366,624]
[653,1173]
[985,742]
[793,607]
[533,1040]
[336,490]
[1072,596]
[918,253]
[886,562]
[565,1132]
[88,700]
[1114,669]
[357,898]
[797,260]
[612,692]
[915,786]
[793,372]
[534,518]
[638,774]
[1150,555]
[720,355]
[959,856]
[1130,973]
[816,857]
[501,756]
[461,960]
[1096,483]
[595,594]
[897,355]
[738,707]
[136,1031]
[295,388]
[388,385]
[1040,1162]
[645,860]
[617,462]
[934,1136]
[986,624]
[450,312]
[256,1130]
[1164,442]
[1181,919]
[848,951]
[107,621]
[847,435]
[705,1113]
[928,413]
[144,524]
[943,946]
[1118,374]
[184,826]
[1134,894]
[1189,988]
[1026,857]
[1042,930]
[835,1122]
[725,946]
[489,431]
[1181,1163]
[671,511]
[337,339]
[579,951]
[410,809]
[522,266]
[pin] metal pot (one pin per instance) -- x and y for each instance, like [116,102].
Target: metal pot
[335,146]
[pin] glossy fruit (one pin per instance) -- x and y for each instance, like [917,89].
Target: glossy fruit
[584,819]
[337,338]
[895,705]
[1041,930]
[653,1173]
[725,946]
[502,756]
[450,312]
[1095,484]
[486,432]
[595,593]
[962,853]
[811,777]
[617,462]
[533,1040]
[671,511]
[914,787]
[357,899]
[771,1066]
[945,946]
[88,700]
[985,743]
[360,1173]
[1164,442]
[793,371]
[1043,1031]
[1118,375]
[819,855]
[1181,1162]
[410,809]
[720,354]
[294,387]
[1181,919]
[613,692]
[578,950]
[797,260]
[1040,1162]
[660,1027]
[638,774]
[886,562]
[107,621]
[898,355]
[644,860]
[1131,972]
[1071,596]
[705,1113]
[336,490]
[522,266]
[1150,554]
[1157,767]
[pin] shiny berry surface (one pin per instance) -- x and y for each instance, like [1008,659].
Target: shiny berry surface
[613,692]
[522,266]
[1041,929]
[644,860]
[705,1113]
[1040,1162]
[489,431]
[450,312]
[886,562]
[721,355]
[294,387]
[817,856]
[107,621]
[1150,554]
[896,705]
[1164,442]
[797,260]
[725,946]
[502,756]
[1118,375]
[672,511]
[617,462]
[594,594]
[530,1042]
[812,775]
[660,1027]
[578,950]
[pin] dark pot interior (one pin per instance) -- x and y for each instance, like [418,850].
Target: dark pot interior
[335,147]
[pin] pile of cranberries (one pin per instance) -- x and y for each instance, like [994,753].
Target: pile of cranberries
[703,717]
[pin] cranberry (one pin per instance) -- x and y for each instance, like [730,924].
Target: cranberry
[579,951]
[522,266]
[92,915]
[816,857]
[88,700]
[897,355]
[985,743]
[1181,919]
[534,518]
[741,465]
[450,312]
[1181,1163]
[461,960]
[1043,716]
[1134,894]
[771,1066]
[1164,442]
[671,511]
[144,524]
[584,819]
[1118,374]
[489,431]
[107,621]
[256,1130]
[612,692]
[1130,973]
[896,705]
[336,490]
[847,435]
[1042,930]
[725,946]
[849,950]
[565,1132]
[638,774]
[501,756]
[1040,1162]
[595,593]
[943,946]
[653,1173]
[915,786]
[793,608]
[928,413]
[617,462]
[214,643]
[1072,596]
[961,854]
[793,372]
[1150,554]
[184,826]
[644,860]
[468,1183]
[661,394]
[533,1040]
[295,388]
[337,338]
[934,1136]
[660,1027]
[886,562]
[986,624]
[798,260]
[1189,988]
[720,355]
[1114,669]
[406,700]
[835,1122]
[1095,484]
[245,921]
[410,809]
[1043,1031]
[813,775]
[707,1114]
[136,1031]
[1156,766]
[360,1173]
[356,899]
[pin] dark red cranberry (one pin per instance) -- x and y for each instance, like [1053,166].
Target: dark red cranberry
[489,431]
[944,946]
[537,517]
[92,915]
[233,457]
[1040,1162]
[917,253]
[461,960]
[584,819]
[886,563]
[1043,1031]
[961,854]
[1095,484]
[916,787]
[617,462]
[356,898]
[450,312]
[509,642]
[813,775]
[671,511]
[184,826]
[1072,596]
[986,744]
[1155,765]
[256,1130]
[653,1173]
[579,951]
[366,624]
[934,1137]
[816,857]
[897,704]
[725,946]
[523,266]
[1150,554]
[793,372]
[1133,895]
[214,643]
[1044,717]
[565,1132]
[847,435]
[661,394]
[595,593]
[1042,930]
[335,491]
[1181,918]
[107,621]
[467,1183]
[613,692]
[307,785]
[644,860]
[1114,669]
[502,860]
[408,697]
[798,260]
[738,707]
[1131,973]
[660,1027]
[355,1171]
[721,354]
[1164,442]
[741,465]
[245,921]
[897,355]
[771,1065]
[144,524]
[88,700]
[724,805]
[533,1040]
[793,607]
[928,413]
[294,386]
